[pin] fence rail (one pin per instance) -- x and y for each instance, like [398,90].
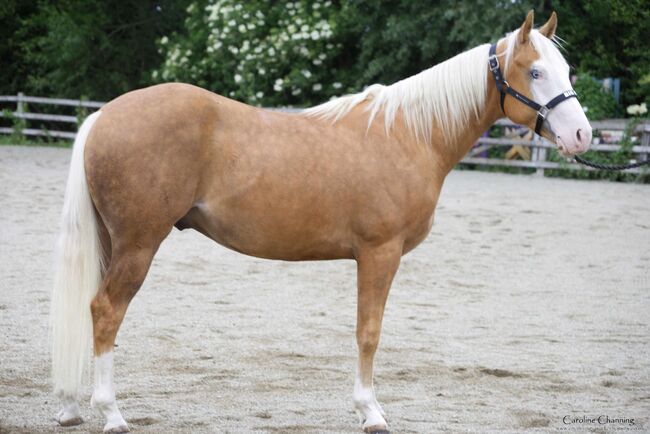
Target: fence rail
[537,146]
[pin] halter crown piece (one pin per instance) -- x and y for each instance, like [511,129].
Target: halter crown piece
[504,88]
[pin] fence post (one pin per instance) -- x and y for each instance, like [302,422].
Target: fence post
[645,141]
[18,122]
[539,154]
[20,104]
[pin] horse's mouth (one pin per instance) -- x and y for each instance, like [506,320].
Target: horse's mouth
[561,147]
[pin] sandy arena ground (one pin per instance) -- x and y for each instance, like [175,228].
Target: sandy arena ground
[529,301]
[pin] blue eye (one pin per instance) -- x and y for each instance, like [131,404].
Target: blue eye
[535,73]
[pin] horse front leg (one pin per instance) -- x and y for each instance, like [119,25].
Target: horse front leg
[376,267]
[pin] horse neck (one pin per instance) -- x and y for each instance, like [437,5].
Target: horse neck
[449,155]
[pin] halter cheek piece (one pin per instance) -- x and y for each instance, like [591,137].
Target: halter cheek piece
[504,88]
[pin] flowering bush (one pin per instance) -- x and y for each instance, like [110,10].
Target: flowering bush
[263,53]
[637,109]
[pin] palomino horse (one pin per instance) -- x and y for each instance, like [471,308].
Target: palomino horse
[356,178]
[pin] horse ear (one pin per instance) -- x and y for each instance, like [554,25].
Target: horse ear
[526,27]
[549,28]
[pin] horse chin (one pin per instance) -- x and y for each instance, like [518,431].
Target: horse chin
[562,148]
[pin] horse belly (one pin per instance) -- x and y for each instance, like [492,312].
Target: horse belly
[275,234]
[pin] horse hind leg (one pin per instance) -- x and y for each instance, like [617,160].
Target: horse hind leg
[127,270]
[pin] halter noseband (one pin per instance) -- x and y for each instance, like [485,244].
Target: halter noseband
[504,88]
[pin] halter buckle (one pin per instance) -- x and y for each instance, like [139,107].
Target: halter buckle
[493,61]
[543,111]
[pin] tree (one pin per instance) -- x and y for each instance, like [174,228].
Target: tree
[98,49]
[609,38]
[402,37]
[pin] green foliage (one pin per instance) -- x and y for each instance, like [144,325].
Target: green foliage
[609,38]
[302,52]
[260,52]
[404,37]
[34,141]
[95,48]
[17,124]
[597,102]
[14,66]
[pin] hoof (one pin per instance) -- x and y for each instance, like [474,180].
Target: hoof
[69,416]
[116,429]
[376,430]
[69,422]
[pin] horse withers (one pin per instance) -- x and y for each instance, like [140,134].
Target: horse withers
[355,178]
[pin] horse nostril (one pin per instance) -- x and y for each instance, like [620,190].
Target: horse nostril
[578,135]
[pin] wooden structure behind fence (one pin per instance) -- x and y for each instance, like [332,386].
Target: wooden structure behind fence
[64,126]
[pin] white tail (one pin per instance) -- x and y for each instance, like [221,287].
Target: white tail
[78,276]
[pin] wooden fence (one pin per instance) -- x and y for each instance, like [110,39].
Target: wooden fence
[526,149]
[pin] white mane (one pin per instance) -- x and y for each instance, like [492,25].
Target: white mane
[449,94]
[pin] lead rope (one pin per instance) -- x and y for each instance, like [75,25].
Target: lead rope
[612,167]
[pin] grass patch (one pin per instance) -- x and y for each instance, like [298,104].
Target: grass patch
[34,141]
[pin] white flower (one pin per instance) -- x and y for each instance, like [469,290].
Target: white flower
[259,95]
[337,85]
[262,71]
[237,78]
[643,109]
[277,86]
[317,62]
[271,51]
[295,92]
[232,23]
[315,35]
[633,109]
[306,73]
[317,87]
[242,28]
[164,40]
